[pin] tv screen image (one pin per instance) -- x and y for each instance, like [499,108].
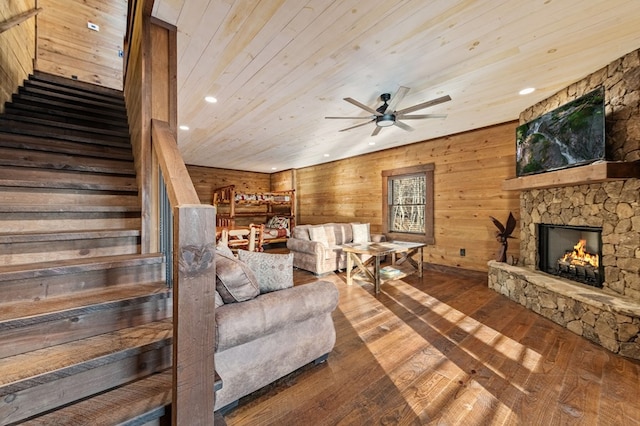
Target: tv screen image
[570,135]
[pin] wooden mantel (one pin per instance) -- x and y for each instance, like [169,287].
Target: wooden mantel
[597,172]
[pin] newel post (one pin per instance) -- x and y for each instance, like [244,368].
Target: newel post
[193,315]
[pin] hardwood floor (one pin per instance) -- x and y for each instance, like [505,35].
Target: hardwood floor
[447,350]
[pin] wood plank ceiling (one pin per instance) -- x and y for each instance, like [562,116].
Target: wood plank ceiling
[278,67]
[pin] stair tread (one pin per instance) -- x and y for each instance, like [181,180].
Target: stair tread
[25,370]
[57,267]
[114,407]
[67,208]
[22,313]
[34,236]
[46,144]
[48,178]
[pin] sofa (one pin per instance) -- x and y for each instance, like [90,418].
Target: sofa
[316,248]
[265,327]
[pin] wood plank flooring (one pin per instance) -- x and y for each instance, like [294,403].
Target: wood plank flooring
[447,350]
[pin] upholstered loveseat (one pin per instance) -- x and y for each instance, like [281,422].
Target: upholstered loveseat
[265,327]
[316,248]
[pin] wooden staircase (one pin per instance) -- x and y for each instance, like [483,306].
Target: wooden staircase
[85,319]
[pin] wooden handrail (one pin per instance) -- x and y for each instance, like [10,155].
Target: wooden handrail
[16,20]
[179,185]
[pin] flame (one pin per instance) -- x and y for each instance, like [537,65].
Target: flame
[579,256]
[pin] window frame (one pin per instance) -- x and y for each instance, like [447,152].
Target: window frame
[428,171]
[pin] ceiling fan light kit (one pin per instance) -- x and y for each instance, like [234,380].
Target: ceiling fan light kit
[386,114]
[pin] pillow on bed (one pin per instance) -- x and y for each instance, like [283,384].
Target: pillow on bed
[278,222]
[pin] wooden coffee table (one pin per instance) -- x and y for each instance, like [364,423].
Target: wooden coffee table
[370,270]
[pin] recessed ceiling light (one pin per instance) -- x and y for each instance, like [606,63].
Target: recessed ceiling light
[326,155]
[527,91]
[372,143]
[274,168]
[183,127]
[211,99]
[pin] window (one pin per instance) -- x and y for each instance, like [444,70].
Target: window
[408,203]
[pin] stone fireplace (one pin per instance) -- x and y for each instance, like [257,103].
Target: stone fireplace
[598,203]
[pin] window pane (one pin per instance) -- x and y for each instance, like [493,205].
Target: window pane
[407,219]
[408,190]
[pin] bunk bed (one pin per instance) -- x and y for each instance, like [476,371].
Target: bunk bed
[276,210]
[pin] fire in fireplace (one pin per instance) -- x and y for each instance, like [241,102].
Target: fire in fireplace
[571,252]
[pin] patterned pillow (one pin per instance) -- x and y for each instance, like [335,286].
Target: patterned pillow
[234,280]
[278,222]
[360,232]
[273,271]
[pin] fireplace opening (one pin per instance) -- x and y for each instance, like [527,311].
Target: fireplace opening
[573,252]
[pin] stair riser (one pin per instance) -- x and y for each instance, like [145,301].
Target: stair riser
[31,252]
[90,323]
[26,107]
[70,91]
[61,123]
[64,147]
[39,178]
[41,288]
[67,107]
[53,196]
[47,160]
[38,399]
[71,99]
[23,128]
[44,222]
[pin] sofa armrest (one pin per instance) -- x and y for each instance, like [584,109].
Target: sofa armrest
[307,246]
[238,323]
[378,238]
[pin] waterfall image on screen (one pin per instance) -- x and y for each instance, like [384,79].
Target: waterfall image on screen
[570,135]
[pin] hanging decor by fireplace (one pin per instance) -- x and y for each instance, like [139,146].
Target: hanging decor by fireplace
[572,252]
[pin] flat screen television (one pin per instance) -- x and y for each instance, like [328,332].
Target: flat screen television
[570,135]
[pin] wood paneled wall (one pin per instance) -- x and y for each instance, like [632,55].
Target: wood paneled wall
[67,47]
[469,170]
[206,179]
[17,48]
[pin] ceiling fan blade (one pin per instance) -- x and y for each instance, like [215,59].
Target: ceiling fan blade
[376,130]
[423,105]
[420,116]
[357,125]
[368,117]
[361,105]
[397,98]
[404,126]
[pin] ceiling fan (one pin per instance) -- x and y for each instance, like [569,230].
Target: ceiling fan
[386,115]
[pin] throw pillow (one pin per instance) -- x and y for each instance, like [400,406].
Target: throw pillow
[224,249]
[273,271]
[234,280]
[360,232]
[318,234]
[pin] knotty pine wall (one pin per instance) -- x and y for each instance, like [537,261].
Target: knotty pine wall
[67,47]
[17,48]
[469,170]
